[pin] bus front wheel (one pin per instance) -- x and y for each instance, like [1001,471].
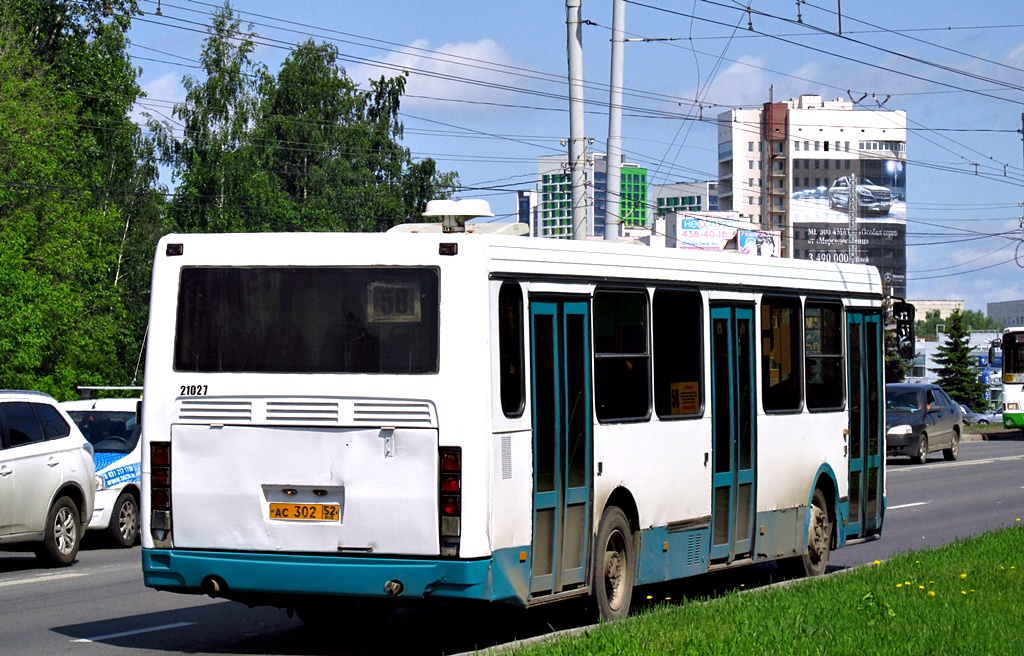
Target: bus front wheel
[614,566]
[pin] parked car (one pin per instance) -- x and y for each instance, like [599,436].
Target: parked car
[981,418]
[111,427]
[871,198]
[921,418]
[46,478]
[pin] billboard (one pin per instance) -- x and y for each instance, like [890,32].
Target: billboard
[827,193]
[703,230]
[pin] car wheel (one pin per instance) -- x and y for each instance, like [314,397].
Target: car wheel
[953,452]
[983,422]
[62,534]
[614,566]
[922,450]
[124,521]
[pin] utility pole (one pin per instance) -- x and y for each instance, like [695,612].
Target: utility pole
[613,177]
[577,142]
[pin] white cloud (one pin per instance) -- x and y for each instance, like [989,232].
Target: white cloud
[454,71]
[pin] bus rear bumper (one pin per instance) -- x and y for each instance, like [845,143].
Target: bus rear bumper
[266,576]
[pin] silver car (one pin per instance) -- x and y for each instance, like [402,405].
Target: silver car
[46,478]
[921,418]
[871,198]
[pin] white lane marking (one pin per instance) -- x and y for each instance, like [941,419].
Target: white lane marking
[909,505]
[41,579]
[111,636]
[959,463]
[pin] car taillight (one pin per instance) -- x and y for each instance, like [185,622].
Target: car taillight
[450,501]
[160,490]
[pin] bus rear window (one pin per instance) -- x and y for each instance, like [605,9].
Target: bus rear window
[375,320]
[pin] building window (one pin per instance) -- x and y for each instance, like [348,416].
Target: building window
[750,146]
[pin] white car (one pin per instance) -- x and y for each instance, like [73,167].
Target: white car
[46,478]
[110,426]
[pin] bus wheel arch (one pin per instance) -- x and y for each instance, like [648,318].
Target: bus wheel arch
[821,535]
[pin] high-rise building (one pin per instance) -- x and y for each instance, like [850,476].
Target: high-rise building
[553,214]
[685,197]
[824,175]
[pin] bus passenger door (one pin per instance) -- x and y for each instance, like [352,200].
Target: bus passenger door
[733,434]
[866,445]
[560,357]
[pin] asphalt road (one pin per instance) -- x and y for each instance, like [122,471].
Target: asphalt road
[99,606]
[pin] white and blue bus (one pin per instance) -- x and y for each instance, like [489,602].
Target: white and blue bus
[1013,377]
[368,420]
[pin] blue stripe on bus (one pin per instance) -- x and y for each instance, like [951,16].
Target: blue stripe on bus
[502,577]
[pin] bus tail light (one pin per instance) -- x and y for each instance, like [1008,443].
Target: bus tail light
[450,500]
[160,490]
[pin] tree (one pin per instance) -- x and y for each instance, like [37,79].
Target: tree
[306,149]
[81,209]
[927,327]
[221,186]
[336,150]
[58,249]
[957,375]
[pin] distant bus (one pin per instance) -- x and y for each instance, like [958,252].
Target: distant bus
[359,421]
[1013,377]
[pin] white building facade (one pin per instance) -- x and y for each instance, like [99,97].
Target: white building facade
[820,173]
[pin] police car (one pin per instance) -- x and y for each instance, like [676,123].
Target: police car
[112,428]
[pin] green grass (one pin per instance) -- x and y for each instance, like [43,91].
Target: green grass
[964,598]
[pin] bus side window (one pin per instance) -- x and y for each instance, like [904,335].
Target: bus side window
[678,360]
[780,354]
[823,346]
[622,362]
[511,378]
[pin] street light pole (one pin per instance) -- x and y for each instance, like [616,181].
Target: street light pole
[577,144]
[614,161]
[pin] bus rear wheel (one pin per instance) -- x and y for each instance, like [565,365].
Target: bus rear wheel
[614,566]
[819,541]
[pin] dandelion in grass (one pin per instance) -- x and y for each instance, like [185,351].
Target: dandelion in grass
[877,562]
[899,585]
[964,575]
[963,592]
[921,587]
[931,593]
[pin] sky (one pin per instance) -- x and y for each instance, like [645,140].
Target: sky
[488,93]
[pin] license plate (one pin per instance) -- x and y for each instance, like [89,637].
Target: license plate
[306,512]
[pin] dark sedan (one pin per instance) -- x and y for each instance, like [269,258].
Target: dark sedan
[921,418]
